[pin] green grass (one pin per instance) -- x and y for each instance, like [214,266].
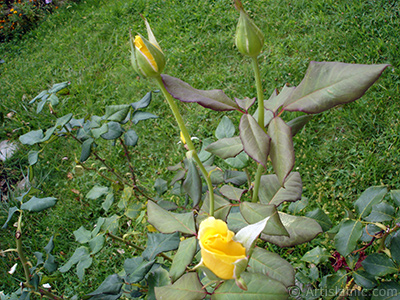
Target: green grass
[339,154]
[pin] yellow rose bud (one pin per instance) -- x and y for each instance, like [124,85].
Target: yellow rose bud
[249,38]
[147,57]
[219,251]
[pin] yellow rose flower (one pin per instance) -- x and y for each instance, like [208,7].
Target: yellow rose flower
[219,251]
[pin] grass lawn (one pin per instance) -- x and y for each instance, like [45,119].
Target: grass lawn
[339,154]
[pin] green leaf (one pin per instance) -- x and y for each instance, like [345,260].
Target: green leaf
[111,286]
[41,104]
[63,120]
[272,265]
[157,278]
[235,177]
[33,157]
[364,279]
[371,196]
[272,192]
[161,186]
[96,244]
[192,184]
[143,103]
[298,206]
[240,161]
[131,138]
[32,137]
[346,239]
[378,264]
[114,131]
[108,201]
[300,229]
[247,235]
[221,208]
[11,212]
[50,246]
[58,87]
[110,224]
[334,283]
[256,143]
[203,154]
[160,242]
[395,247]
[316,255]
[226,147]
[322,219]
[38,204]
[133,210]
[82,235]
[231,192]
[395,195]
[255,212]
[139,115]
[169,222]
[53,99]
[259,286]
[236,221]
[50,264]
[117,113]
[82,265]
[245,103]
[183,257]
[86,149]
[136,269]
[276,100]
[225,128]
[43,94]
[97,132]
[213,99]
[327,84]
[80,253]
[388,290]
[96,192]
[281,148]
[187,287]
[381,212]
[298,123]
[48,134]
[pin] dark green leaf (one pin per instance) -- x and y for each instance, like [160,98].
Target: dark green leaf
[139,115]
[298,206]
[157,278]
[327,84]
[273,265]
[300,229]
[136,269]
[38,204]
[131,137]
[272,192]
[50,246]
[86,149]
[82,235]
[281,148]
[63,120]
[316,255]
[322,219]
[160,242]
[225,128]
[378,264]
[144,102]
[169,222]
[256,143]
[192,184]
[11,212]
[80,253]
[395,194]
[231,192]
[371,196]
[364,279]
[32,137]
[298,123]
[188,287]
[259,286]
[214,99]
[381,212]
[240,161]
[235,177]
[114,131]
[183,257]
[389,290]
[255,212]
[346,239]
[226,147]
[221,208]
[50,264]
[236,221]
[112,285]
[96,244]
[97,132]
[117,113]
[161,186]
[395,247]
